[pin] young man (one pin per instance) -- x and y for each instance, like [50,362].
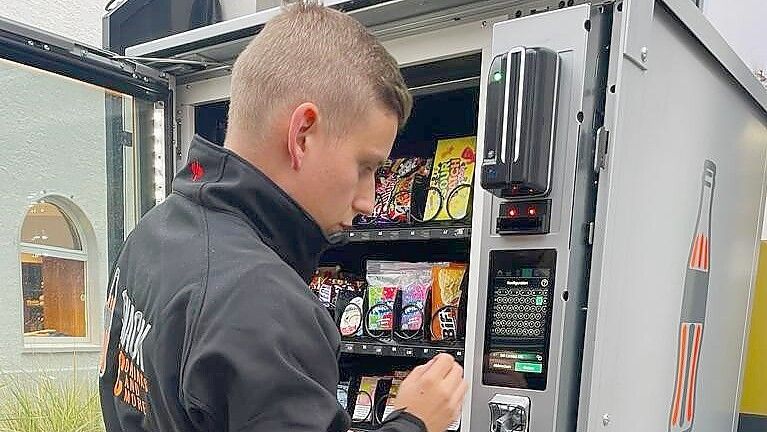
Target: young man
[210,325]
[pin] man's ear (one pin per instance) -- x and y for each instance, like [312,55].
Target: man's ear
[303,122]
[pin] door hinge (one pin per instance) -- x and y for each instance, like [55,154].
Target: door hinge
[600,156]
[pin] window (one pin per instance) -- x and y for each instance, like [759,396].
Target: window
[53,271]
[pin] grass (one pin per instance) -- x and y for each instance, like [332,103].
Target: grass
[49,404]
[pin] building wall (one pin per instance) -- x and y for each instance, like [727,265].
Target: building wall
[53,142]
[76,19]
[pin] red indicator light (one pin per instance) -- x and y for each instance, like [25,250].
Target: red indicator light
[532,211]
[513,211]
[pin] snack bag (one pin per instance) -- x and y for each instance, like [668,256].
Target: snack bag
[349,313]
[381,298]
[452,175]
[382,292]
[363,408]
[446,296]
[393,191]
[395,383]
[415,288]
[342,394]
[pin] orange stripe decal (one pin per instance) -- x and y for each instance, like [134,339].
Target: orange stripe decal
[675,417]
[693,372]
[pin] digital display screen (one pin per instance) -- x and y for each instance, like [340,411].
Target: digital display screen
[517,330]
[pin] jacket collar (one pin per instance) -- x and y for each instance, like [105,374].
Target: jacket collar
[221,180]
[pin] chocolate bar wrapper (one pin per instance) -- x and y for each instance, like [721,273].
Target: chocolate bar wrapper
[329,289]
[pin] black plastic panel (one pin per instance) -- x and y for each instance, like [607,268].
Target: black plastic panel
[518,325]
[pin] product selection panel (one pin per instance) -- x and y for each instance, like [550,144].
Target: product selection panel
[518,325]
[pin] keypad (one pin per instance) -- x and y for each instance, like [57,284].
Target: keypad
[520,313]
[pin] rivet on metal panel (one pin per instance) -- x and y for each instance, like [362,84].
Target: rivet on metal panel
[134,75]
[484,24]
[30,43]
[188,86]
[644,54]
[605,419]
[46,47]
[146,79]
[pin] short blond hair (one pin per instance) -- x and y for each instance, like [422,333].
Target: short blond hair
[311,53]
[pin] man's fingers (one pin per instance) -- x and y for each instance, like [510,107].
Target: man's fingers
[454,377]
[460,393]
[418,371]
[442,365]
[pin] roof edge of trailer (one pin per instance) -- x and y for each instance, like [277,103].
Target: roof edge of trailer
[248,25]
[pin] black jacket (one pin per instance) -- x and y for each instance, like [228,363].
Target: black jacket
[210,324]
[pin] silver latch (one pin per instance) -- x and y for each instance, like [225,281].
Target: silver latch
[600,156]
[590,233]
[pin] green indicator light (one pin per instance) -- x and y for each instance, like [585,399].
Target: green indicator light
[528,367]
[497,76]
[539,300]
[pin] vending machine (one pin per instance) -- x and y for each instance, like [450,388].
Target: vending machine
[615,255]
[590,259]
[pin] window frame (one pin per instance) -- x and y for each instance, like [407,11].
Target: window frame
[81,226]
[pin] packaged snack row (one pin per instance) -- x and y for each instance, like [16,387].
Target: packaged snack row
[400,301]
[422,190]
[371,399]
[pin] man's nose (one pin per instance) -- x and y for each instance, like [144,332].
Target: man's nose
[364,202]
[363,205]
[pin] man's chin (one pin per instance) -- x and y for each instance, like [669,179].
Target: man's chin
[338,229]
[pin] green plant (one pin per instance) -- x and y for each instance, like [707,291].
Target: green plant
[45,403]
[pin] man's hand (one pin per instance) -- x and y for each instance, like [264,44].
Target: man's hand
[433,392]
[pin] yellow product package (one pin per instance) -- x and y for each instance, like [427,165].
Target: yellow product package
[450,185]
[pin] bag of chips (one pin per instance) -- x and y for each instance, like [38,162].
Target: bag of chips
[446,296]
[394,190]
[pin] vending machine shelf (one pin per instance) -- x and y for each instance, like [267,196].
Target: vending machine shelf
[392,349]
[462,231]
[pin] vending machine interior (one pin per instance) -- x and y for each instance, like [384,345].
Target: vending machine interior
[606,221]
